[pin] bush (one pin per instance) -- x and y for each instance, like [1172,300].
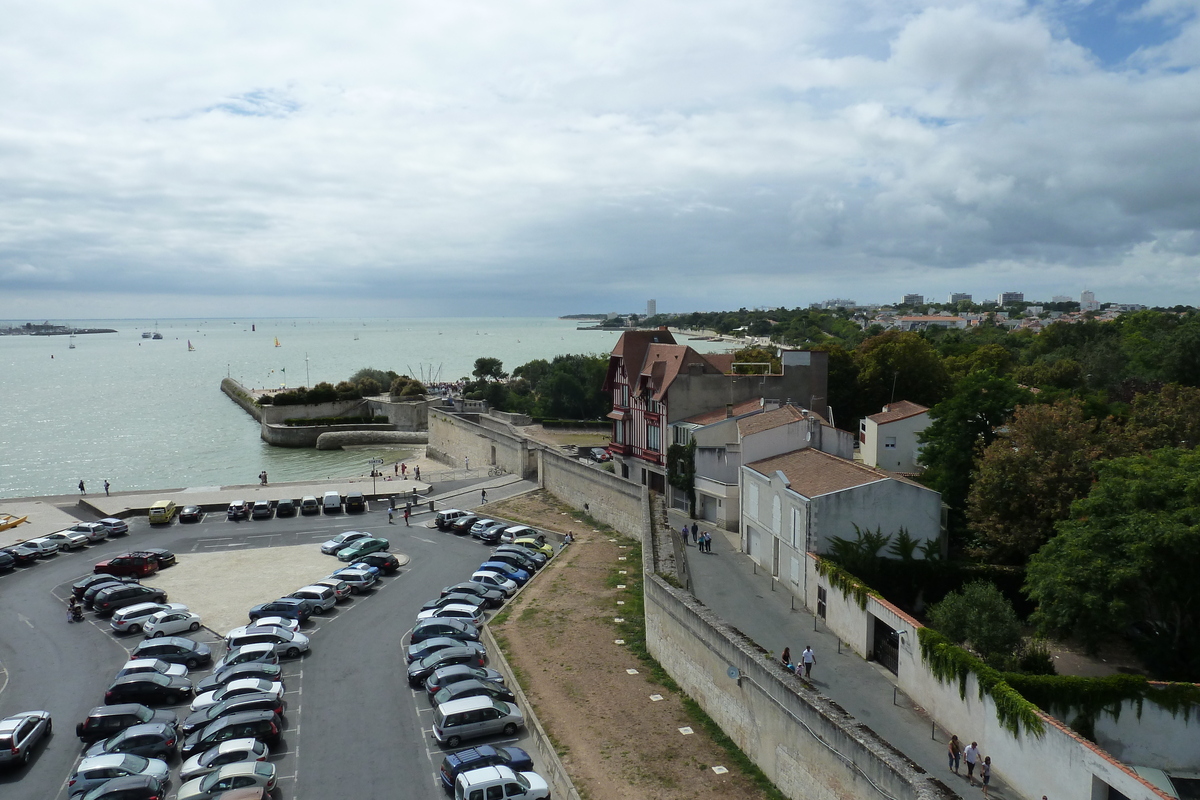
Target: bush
[368,387]
[413,389]
[981,618]
[266,400]
[347,391]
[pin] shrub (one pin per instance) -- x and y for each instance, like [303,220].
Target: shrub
[982,618]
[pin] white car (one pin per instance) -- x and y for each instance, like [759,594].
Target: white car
[240,775]
[238,687]
[343,539]
[114,526]
[286,643]
[131,618]
[359,580]
[152,665]
[93,530]
[68,540]
[471,614]
[287,623]
[495,580]
[44,546]
[169,623]
[230,751]
[500,781]
[96,770]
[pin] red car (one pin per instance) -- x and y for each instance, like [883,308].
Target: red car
[135,564]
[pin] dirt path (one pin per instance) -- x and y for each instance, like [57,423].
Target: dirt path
[615,740]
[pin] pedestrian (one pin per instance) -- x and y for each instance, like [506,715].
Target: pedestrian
[396,468]
[407,510]
[417,472]
[683,532]
[483,494]
[81,489]
[106,487]
[971,755]
[695,535]
[786,658]
[985,774]
[808,658]
[954,754]
[570,537]
[404,471]
[391,511]
[264,477]
[467,462]
[707,542]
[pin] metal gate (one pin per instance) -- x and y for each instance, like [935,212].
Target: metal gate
[887,647]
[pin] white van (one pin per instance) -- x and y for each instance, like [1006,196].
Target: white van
[500,781]
[473,717]
[332,503]
[322,598]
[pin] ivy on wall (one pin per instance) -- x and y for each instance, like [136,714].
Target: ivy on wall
[846,583]
[681,471]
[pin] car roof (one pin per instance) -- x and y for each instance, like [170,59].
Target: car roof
[106,760]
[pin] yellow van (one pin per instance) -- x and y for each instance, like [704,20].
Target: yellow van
[162,512]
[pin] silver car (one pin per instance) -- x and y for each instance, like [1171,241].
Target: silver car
[152,665]
[19,733]
[93,530]
[228,752]
[342,540]
[96,770]
[286,643]
[132,619]
[68,540]
[45,546]
[115,526]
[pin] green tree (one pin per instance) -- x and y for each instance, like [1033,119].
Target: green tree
[980,617]
[368,386]
[1041,461]
[489,369]
[960,427]
[1169,417]
[381,377]
[899,366]
[747,358]
[1129,555]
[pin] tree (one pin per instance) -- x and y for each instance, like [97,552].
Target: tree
[1040,462]
[961,426]
[381,377]
[748,358]
[899,366]
[982,618]
[1129,557]
[489,369]
[1169,417]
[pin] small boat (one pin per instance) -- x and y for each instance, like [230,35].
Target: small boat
[277,344]
[71,346]
[190,348]
[9,521]
[145,334]
[156,335]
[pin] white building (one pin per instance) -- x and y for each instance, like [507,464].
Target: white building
[800,501]
[959,297]
[651,308]
[889,439]
[1087,302]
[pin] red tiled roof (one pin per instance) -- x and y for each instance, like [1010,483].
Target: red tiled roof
[718,414]
[813,473]
[895,411]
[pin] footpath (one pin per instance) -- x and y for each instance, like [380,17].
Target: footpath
[727,582]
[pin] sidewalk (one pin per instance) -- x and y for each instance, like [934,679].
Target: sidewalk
[726,582]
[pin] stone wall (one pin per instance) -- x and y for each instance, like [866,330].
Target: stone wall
[275,415]
[609,499]
[307,435]
[455,438]
[404,415]
[239,394]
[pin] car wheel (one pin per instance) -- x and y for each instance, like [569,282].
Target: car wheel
[49,727]
[156,635]
[510,729]
[292,652]
[318,610]
[195,626]
[135,628]
[192,663]
[453,741]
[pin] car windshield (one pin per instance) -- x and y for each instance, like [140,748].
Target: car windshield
[135,763]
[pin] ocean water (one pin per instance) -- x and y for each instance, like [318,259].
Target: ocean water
[149,414]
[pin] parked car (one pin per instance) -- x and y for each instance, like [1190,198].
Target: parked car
[89,594]
[331,503]
[486,781]
[232,751]
[7,561]
[265,726]
[355,503]
[286,643]
[473,688]
[68,540]
[483,755]
[162,555]
[22,554]
[137,565]
[427,647]
[285,508]
[233,672]
[342,540]
[361,547]
[515,574]
[515,560]
[239,775]
[480,525]
[492,596]
[236,689]
[386,563]
[494,580]
[88,581]
[94,531]
[238,509]
[364,566]
[290,607]
[191,514]
[341,589]
[536,557]
[261,510]
[116,527]
[247,654]
[473,717]
[96,770]
[446,517]
[44,545]
[106,721]
[175,650]
[359,580]
[470,613]
[136,665]
[149,688]
[536,543]
[111,598]
[496,534]
[418,671]
[167,623]
[463,524]
[442,677]
[246,702]
[149,739]
[131,619]
[20,733]
[323,598]
[130,787]
[455,598]
[309,505]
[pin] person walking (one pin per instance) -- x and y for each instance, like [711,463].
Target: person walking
[695,535]
[985,774]
[467,462]
[81,489]
[971,755]
[391,512]
[404,471]
[106,487]
[808,658]
[707,542]
[407,511]
[396,468]
[683,534]
[483,495]
[954,753]
[417,472]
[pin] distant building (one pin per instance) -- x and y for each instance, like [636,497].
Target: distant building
[1033,311]
[836,302]
[959,297]
[651,308]
[612,315]
[1062,298]
[1087,302]
[920,323]
[1007,298]
[913,300]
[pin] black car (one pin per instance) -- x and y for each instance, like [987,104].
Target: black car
[233,672]
[492,535]
[175,650]
[130,787]
[112,598]
[439,627]
[80,587]
[255,701]
[148,688]
[386,563]
[22,554]
[7,560]
[463,524]
[285,508]
[484,755]
[105,721]
[289,607]
[355,503]
[162,555]
[151,739]
[473,688]
[262,725]
[191,514]
[494,597]
[418,671]
[444,676]
[455,598]
[529,560]
[433,644]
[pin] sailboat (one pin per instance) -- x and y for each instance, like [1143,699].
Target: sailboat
[277,344]
[190,348]
[71,346]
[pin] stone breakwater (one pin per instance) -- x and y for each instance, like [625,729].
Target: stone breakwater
[335,440]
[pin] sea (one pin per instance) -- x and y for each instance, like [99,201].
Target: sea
[149,413]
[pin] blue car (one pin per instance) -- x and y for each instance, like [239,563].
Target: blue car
[484,755]
[519,576]
[371,568]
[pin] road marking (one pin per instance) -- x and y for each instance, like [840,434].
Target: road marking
[24,619]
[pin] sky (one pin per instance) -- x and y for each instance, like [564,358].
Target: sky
[534,158]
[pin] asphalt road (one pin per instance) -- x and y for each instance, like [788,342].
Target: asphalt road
[353,725]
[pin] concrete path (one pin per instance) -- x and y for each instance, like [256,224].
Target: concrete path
[727,582]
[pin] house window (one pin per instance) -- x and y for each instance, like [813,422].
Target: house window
[653,437]
[619,432]
[821,598]
[889,442]
[624,401]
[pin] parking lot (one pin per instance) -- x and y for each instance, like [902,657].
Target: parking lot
[350,711]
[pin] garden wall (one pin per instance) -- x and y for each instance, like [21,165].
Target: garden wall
[609,499]
[454,438]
